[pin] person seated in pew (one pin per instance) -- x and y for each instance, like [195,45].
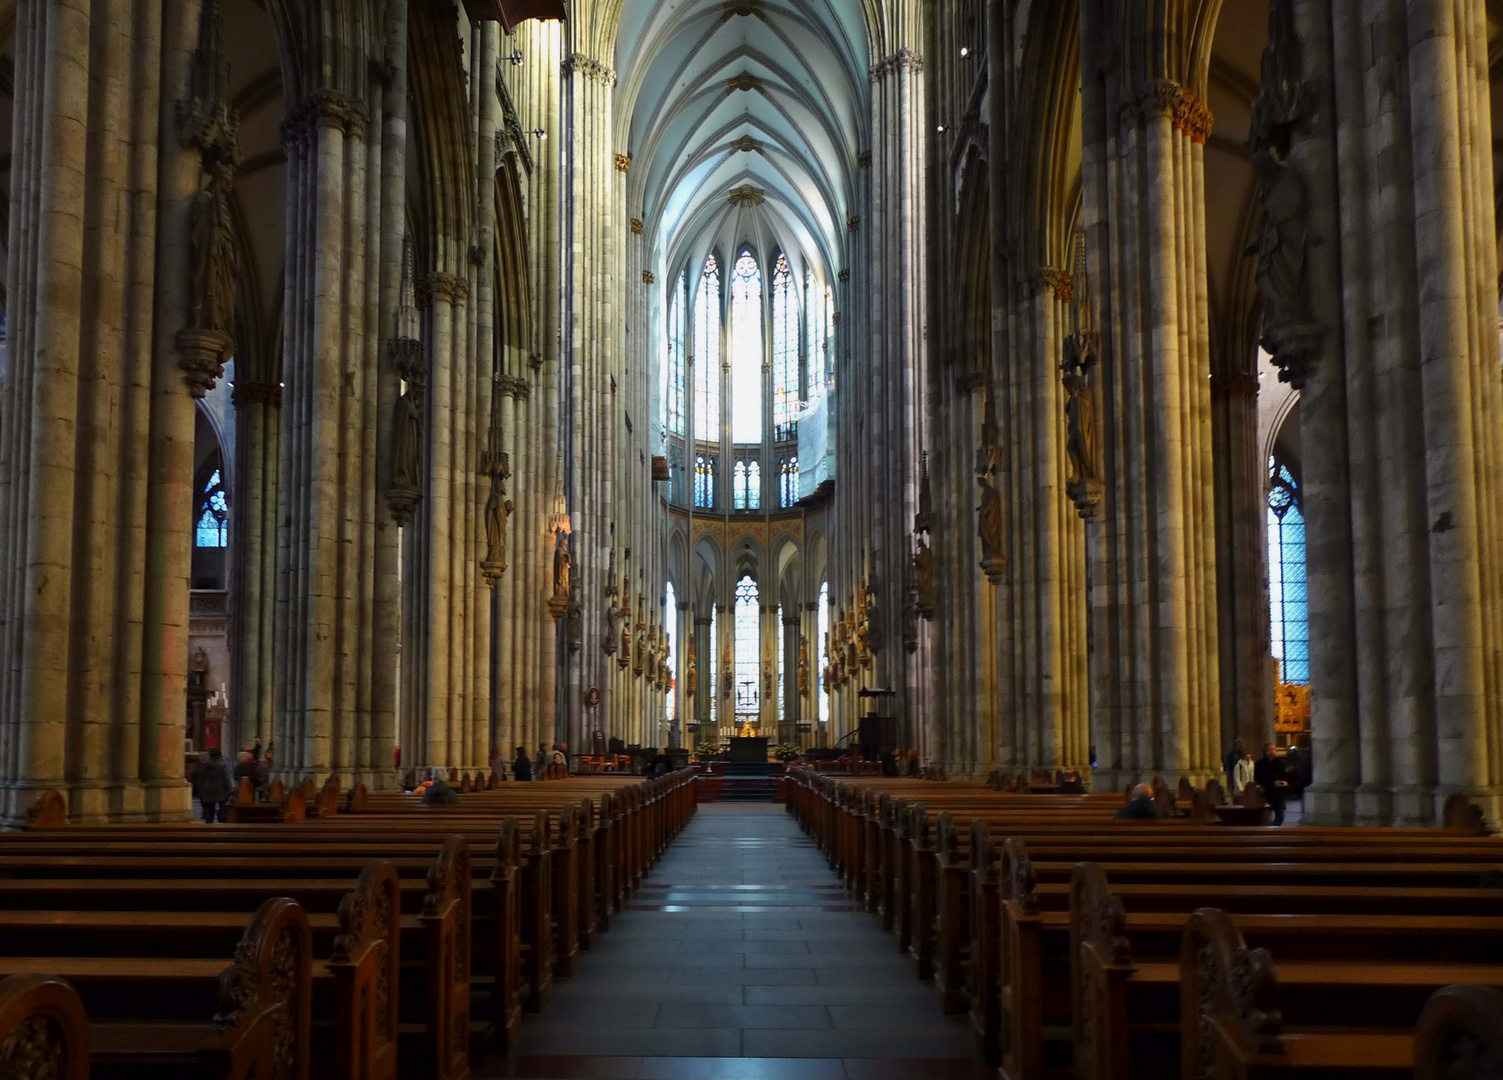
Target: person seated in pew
[662,764]
[439,793]
[521,765]
[248,768]
[1071,784]
[1269,775]
[1141,805]
[215,787]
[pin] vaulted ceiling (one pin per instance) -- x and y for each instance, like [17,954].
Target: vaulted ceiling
[745,121]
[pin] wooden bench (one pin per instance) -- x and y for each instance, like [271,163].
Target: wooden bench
[112,1016]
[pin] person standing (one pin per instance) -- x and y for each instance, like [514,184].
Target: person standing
[215,787]
[1230,760]
[521,766]
[1269,775]
[1242,776]
[541,762]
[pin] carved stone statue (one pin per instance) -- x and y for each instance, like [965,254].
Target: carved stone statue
[612,626]
[767,676]
[989,463]
[574,624]
[497,512]
[691,673]
[925,586]
[1289,332]
[803,667]
[407,439]
[563,566]
[874,621]
[1082,438]
[215,264]
[727,674]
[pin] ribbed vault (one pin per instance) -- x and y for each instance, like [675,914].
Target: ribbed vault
[745,123]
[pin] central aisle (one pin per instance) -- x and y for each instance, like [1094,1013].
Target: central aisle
[742,946]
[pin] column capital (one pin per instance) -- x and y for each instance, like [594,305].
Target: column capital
[247,392]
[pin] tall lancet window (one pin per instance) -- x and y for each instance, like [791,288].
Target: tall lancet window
[678,309]
[746,485]
[784,353]
[214,510]
[713,666]
[814,311]
[746,350]
[781,701]
[824,655]
[670,631]
[1286,576]
[748,648]
[707,354]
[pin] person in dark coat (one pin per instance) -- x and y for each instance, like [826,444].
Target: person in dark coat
[912,768]
[1270,776]
[1071,784]
[662,764]
[1141,806]
[521,766]
[1230,759]
[439,793]
[889,763]
[215,787]
[248,768]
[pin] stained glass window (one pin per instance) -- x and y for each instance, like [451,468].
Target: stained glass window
[704,480]
[746,485]
[707,355]
[824,640]
[816,315]
[788,481]
[714,667]
[784,353]
[748,648]
[746,350]
[214,511]
[827,361]
[678,306]
[670,631]
[782,698]
[1286,577]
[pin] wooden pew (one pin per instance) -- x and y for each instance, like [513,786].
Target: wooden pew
[44,1031]
[1243,1015]
[160,1011]
[1460,1035]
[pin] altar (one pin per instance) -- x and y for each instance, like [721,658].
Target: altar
[749,749]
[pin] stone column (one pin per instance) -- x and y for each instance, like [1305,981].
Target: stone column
[1156,694]
[1386,319]
[96,419]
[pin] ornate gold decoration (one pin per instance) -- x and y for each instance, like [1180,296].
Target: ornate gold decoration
[648,277]
[623,162]
[864,159]
[747,145]
[853,223]
[747,196]
[844,275]
[1060,282]
[636,226]
[1193,116]
[691,674]
[745,81]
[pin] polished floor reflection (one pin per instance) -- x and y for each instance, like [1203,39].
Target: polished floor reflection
[742,958]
